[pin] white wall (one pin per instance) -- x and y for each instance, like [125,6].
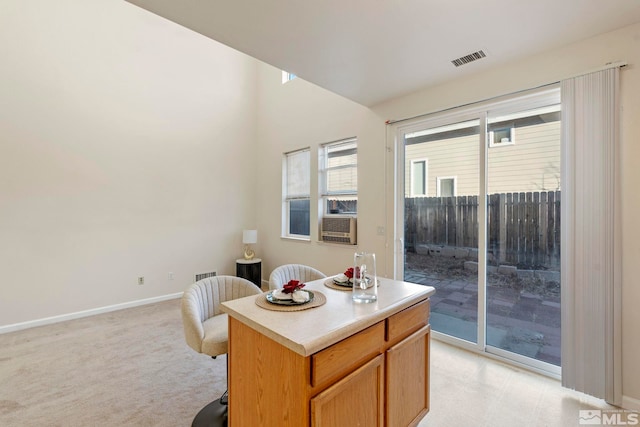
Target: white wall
[621,45]
[296,115]
[126,150]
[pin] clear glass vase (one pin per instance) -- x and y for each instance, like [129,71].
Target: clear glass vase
[364,278]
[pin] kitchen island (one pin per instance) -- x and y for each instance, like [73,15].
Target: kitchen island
[338,364]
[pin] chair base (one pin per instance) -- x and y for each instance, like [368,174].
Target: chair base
[212,415]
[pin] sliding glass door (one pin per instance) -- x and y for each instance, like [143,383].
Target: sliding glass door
[479,217]
[441,222]
[523,234]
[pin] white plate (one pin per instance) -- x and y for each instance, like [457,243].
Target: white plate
[274,300]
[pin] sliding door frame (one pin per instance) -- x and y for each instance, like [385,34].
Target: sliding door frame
[433,122]
[396,142]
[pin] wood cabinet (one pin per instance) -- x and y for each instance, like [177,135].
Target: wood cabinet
[407,397]
[378,376]
[355,400]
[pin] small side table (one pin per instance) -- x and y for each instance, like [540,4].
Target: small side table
[250,269]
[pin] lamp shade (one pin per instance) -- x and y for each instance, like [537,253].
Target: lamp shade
[249,236]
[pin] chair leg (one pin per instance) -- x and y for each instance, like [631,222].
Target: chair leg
[225,396]
[215,413]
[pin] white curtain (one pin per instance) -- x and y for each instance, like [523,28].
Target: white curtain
[591,318]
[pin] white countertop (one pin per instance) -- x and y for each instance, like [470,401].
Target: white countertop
[309,331]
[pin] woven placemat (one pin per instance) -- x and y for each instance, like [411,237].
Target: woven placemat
[329,283]
[318,300]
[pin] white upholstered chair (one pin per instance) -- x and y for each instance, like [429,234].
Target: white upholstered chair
[281,275]
[206,329]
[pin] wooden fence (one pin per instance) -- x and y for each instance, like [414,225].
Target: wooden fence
[523,228]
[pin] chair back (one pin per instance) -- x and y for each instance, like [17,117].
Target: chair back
[281,275]
[202,300]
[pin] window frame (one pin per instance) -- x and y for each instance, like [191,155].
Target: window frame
[425,177]
[323,175]
[287,77]
[439,180]
[512,137]
[288,198]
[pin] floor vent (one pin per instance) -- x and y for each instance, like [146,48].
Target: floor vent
[200,276]
[468,58]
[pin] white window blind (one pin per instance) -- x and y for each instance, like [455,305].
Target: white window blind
[341,168]
[338,178]
[297,199]
[298,174]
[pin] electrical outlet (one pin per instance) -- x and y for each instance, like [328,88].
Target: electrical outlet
[170,276]
[380,230]
[141,280]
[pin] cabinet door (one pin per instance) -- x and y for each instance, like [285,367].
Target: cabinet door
[407,374]
[356,400]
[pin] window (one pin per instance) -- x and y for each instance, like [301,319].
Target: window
[502,127]
[446,186]
[287,77]
[339,177]
[419,177]
[501,136]
[296,194]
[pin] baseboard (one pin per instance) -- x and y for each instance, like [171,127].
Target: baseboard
[630,403]
[77,315]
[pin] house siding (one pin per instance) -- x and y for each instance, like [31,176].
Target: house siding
[532,163]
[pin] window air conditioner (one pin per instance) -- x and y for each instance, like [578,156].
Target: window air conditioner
[339,229]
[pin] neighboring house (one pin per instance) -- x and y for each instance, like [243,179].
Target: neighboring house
[524,155]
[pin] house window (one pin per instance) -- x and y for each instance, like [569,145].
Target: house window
[296,217]
[502,127]
[501,136]
[446,186]
[287,77]
[419,177]
[338,167]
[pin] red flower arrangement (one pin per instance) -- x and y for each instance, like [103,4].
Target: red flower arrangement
[292,286]
[349,272]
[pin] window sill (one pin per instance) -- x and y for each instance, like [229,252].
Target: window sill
[296,239]
[501,144]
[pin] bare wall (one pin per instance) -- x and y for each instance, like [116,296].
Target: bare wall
[126,150]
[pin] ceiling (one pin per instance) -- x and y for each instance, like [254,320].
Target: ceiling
[374,50]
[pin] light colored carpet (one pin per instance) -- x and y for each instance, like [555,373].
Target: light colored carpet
[133,368]
[126,368]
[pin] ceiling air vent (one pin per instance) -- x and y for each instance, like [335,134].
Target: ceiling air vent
[468,58]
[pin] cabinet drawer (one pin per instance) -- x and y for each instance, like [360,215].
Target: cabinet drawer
[406,322]
[343,357]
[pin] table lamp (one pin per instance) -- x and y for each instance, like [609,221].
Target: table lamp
[249,237]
